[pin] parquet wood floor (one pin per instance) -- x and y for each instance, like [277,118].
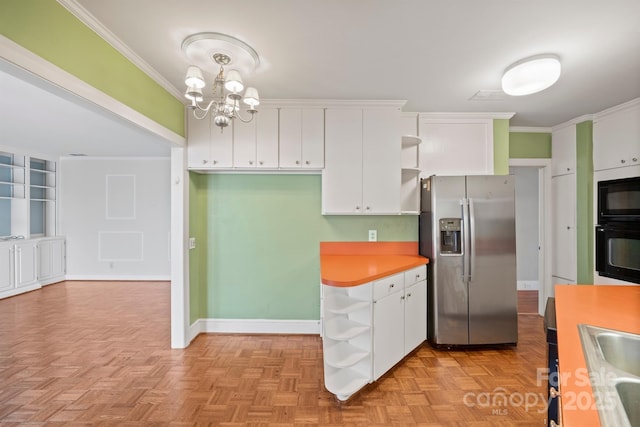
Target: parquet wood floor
[97,354]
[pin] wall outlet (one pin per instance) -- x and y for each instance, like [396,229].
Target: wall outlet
[373,235]
[192,242]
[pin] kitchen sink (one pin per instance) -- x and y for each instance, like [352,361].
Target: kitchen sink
[629,392]
[613,362]
[621,350]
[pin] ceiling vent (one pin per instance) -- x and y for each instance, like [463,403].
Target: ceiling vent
[489,95]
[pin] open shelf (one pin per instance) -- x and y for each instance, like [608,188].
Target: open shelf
[343,355]
[343,304]
[410,141]
[342,329]
[345,382]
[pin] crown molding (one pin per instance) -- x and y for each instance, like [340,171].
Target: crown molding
[573,122]
[90,21]
[616,108]
[463,116]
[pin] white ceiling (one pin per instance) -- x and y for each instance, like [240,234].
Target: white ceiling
[436,54]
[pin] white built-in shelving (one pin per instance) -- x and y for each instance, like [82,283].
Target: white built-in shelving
[410,185]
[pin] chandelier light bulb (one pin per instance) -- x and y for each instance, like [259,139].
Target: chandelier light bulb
[251,97]
[531,75]
[233,82]
[194,77]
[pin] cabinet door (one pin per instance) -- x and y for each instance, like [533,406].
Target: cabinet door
[452,146]
[563,188]
[267,138]
[198,142]
[244,144]
[290,137]
[342,175]
[302,138]
[381,161]
[313,138]
[6,266]
[45,267]
[26,267]
[388,334]
[221,147]
[563,147]
[415,316]
[616,139]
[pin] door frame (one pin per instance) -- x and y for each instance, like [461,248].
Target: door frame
[544,226]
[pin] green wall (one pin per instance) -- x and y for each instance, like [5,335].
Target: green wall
[584,201]
[47,29]
[259,236]
[529,145]
[501,146]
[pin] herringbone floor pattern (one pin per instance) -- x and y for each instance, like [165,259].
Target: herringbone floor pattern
[97,354]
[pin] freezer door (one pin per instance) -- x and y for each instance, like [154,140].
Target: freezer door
[448,321]
[493,317]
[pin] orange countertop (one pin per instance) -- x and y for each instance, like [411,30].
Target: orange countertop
[344,264]
[613,307]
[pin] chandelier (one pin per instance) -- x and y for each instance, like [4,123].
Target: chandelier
[227,87]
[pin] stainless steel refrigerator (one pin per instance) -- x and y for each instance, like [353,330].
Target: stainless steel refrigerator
[467,230]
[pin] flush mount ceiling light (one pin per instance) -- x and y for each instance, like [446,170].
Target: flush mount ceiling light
[204,48]
[531,75]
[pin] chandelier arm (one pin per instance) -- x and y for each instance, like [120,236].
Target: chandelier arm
[205,110]
[239,117]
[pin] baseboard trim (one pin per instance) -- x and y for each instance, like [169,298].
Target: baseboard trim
[253,326]
[124,278]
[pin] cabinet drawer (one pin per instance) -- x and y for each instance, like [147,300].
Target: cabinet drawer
[415,275]
[388,286]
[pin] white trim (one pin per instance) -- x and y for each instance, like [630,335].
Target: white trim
[528,285]
[573,122]
[254,171]
[529,129]
[441,117]
[254,326]
[615,109]
[95,25]
[23,58]
[538,162]
[180,305]
[334,103]
[122,278]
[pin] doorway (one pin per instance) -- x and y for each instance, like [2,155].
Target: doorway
[532,233]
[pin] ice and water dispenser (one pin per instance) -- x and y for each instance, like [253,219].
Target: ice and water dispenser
[450,236]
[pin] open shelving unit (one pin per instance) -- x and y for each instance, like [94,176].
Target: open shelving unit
[347,339]
[410,185]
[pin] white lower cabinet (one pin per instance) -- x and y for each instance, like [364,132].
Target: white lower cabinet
[369,328]
[7,266]
[51,260]
[28,264]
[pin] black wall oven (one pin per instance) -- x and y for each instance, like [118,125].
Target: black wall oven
[618,230]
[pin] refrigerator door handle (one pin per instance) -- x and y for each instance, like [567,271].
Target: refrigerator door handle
[464,207]
[472,238]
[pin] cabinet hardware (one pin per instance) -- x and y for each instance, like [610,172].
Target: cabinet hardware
[297,162]
[250,162]
[357,208]
[307,162]
[204,162]
[392,285]
[623,161]
[635,159]
[261,162]
[402,297]
[215,162]
[408,295]
[368,207]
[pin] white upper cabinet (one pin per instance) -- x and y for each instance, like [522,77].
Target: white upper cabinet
[207,146]
[244,144]
[563,149]
[456,144]
[362,161]
[267,138]
[616,137]
[302,138]
[255,144]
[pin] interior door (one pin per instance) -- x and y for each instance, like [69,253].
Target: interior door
[493,317]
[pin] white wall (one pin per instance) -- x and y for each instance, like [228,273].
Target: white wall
[526,223]
[115,215]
